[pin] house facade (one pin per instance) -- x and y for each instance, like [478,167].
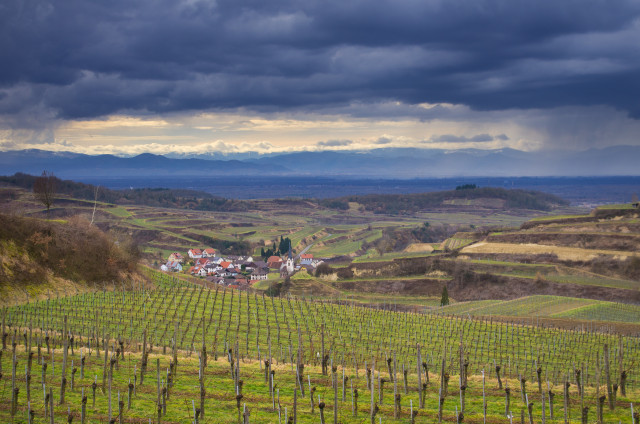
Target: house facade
[176,257]
[195,253]
[260,274]
[209,253]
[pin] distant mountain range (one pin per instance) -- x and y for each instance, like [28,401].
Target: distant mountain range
[378,163]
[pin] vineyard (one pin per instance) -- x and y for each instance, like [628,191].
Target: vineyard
[184,353]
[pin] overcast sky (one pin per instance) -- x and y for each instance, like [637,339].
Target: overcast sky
[125,76]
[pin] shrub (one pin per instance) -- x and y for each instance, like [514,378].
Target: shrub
[323,269]
[74,249]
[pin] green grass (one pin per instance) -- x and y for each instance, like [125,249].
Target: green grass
[604,311]
[259,324]
[510,264]
[548,306]
[456,243]
[617,206]
[119,211]
[557,217]
[387,278]
[600,281]
[465,308]
[220,404]
[336,249]
[301,275]
[388,300]
[262,284]
[373,256]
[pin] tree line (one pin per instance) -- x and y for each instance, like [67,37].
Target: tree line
[412,203]
[280,249]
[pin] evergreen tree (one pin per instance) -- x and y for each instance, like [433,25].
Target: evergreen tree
[444,300]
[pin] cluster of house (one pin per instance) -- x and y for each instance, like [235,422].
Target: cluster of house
[238,271]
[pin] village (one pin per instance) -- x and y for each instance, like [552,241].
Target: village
[239,272]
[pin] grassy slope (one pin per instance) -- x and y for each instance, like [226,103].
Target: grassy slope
[549,306]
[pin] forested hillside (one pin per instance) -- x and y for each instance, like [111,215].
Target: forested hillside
[158,197]
[484,197]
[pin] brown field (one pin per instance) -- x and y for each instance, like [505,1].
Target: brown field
[419,247]
[563,253]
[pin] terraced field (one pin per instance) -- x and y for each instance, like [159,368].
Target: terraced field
[562,252]
[548,306]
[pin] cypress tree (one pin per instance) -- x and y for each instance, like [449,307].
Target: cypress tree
[444,300]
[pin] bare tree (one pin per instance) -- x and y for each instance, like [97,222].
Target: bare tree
[95,203]
[44,189]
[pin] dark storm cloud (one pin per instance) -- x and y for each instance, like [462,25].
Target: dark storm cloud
[479,138]
[78,58]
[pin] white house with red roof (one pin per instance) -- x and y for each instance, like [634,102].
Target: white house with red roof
[195,253]
[200,262]
[208,253]
[306,259]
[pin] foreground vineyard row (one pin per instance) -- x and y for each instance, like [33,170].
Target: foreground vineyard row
[178,350]
[279,327]
[101,385]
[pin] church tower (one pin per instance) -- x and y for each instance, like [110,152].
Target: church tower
[288,267]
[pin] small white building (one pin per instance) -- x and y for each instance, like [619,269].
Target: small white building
[171,266]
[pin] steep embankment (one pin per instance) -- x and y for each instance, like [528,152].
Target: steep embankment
[41,258]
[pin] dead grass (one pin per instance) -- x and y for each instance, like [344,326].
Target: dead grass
[563,253]
[419,247]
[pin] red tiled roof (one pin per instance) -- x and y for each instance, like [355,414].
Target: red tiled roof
[274,259]
[307,256]
[209,251]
